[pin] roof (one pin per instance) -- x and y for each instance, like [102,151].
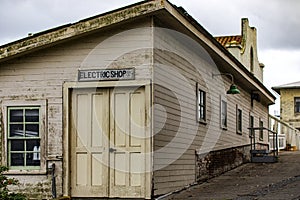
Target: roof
[58,34]
[229,40]
[294,85]
[162,9]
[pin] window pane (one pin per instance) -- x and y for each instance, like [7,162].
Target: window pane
[32,130]
[239,120]
[224,107]
[32,115]
[202,113]
[32,145]
[297,107]
[16,115]
[16,130]
[201,97]
[33,159]
[17,145]
[261,132]
[17,159]
[224,113]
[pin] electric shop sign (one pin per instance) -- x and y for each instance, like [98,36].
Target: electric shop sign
[106,74]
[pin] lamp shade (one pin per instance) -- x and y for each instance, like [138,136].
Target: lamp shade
[233,90]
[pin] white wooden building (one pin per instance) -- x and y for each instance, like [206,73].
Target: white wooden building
[131,103]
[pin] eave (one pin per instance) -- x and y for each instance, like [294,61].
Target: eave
[52,36]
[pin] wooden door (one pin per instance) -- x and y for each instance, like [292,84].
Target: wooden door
[108,143]
[89,142]
[127,143]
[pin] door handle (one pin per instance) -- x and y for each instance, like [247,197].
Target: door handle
[111,150]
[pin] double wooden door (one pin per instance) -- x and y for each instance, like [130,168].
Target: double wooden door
[108,143]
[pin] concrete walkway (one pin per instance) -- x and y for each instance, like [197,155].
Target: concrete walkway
[252,181]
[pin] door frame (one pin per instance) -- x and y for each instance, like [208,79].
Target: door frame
[67,89]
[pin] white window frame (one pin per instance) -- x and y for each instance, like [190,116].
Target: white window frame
[223,122]
[42,104]
[239,121]
[200,89]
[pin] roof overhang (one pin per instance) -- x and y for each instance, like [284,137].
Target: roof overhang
[278,89]
[56,35]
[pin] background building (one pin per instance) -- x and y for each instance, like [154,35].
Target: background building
[244,48]
[289,103]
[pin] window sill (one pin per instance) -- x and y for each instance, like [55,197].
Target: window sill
[224,128]
[239,133]
[202,122]
[26,172]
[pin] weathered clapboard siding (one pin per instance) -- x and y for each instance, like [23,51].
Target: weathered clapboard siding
[175,91]
[177,70]
[40,75]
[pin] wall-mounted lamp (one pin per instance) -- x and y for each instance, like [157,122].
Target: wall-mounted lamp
[233,88]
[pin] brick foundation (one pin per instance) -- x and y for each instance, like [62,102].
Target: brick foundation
[217,162]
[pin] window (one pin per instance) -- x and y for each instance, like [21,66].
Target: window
[223,114]
[251,125]
[297,104]
[251,60]
[23,137]
[239,120]
[261,131]
[201,106]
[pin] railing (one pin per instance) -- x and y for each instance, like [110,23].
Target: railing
[260,153]
[288,136]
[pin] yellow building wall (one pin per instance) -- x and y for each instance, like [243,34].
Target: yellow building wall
[287,107]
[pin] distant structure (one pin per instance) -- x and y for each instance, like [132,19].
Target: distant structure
[289,103]
[244,48]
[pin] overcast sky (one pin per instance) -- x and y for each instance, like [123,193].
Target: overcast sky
[277,23]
